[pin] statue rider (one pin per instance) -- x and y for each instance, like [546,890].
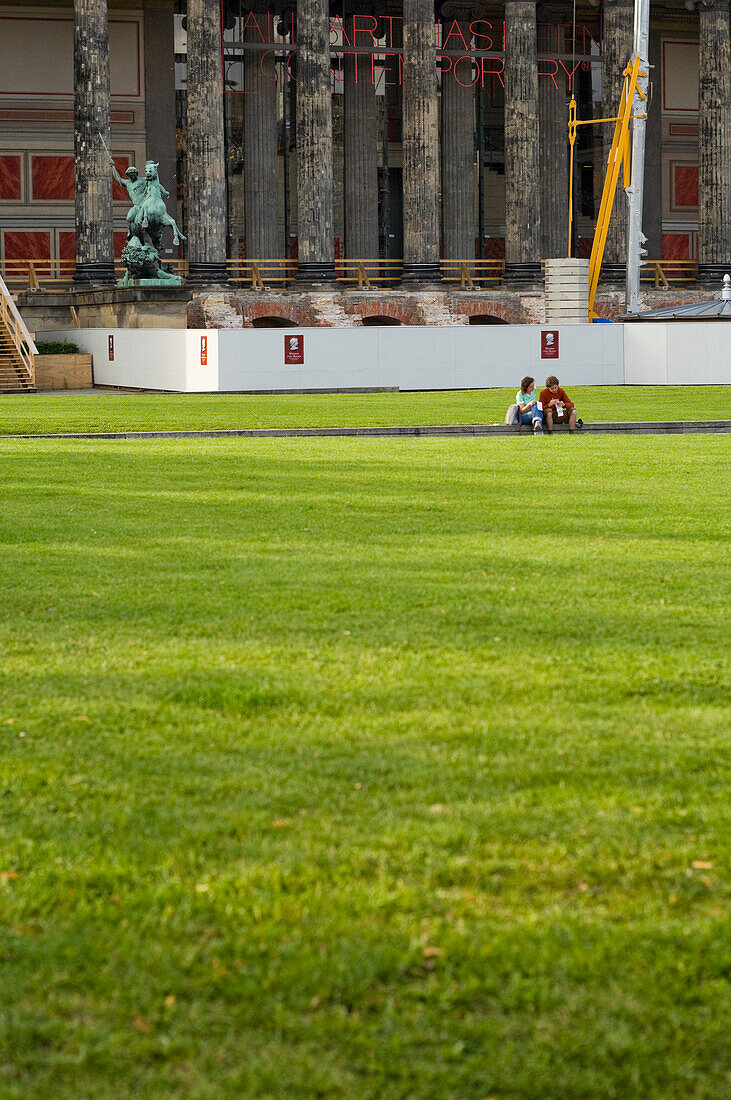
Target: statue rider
[145,222]
[137,190]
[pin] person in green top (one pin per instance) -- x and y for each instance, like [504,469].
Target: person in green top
[529,407]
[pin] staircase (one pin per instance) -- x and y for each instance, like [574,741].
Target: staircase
[17,350]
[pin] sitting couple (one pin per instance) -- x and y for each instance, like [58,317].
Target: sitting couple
[553,406]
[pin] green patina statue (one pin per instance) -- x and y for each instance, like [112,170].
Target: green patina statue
[145,222]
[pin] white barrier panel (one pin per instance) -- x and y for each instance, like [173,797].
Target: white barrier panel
[679,353]
[408,357]
[182,360]
[418,357]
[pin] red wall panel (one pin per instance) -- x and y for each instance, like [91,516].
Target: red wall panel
[686,185]
[10,178]
[30,244]
[53,178]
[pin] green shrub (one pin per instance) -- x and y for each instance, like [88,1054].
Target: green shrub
[56,347]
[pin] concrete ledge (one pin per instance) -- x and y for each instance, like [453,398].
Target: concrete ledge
[660,427]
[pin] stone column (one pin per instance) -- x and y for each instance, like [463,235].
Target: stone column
[315,221]
[553,117]
[261,165]
[420,143]
[522,183]
[458,153]
[617,39]
[92,174]
[206,145]
[714,141]
[360,151]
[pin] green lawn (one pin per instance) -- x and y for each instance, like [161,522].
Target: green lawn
[363,769]
[106,412]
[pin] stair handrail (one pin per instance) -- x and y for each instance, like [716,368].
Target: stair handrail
[18,331]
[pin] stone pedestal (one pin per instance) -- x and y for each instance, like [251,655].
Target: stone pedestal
[714,141]
[522,184]
[567,291]
[106,307]
[420,134]
[206,146]
[92,173]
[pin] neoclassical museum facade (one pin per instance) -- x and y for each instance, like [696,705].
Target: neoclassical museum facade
[357,130]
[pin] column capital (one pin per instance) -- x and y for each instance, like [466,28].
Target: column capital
[461,10]
[554,12]
[714,5]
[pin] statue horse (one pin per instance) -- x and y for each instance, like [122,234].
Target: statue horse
[154,215]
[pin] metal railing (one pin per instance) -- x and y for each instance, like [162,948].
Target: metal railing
[262,274]
[367,273]
[57,276]
[664,272]
[14,326]
[473,273]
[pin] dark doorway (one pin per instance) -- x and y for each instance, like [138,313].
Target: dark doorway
[272,322]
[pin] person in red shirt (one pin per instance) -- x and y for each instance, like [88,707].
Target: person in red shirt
[558,408]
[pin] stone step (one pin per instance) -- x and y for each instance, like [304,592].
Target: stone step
[660,427]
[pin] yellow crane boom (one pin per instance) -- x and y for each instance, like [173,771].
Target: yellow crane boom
[619,157]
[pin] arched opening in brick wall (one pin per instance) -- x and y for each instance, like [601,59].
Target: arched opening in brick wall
[272,322]
[486,319]
[380,320]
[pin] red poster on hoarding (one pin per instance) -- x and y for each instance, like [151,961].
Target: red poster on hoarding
[294,349]
[549,344]
[204,351]
[111,349]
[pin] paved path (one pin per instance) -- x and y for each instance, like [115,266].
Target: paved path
[650,427]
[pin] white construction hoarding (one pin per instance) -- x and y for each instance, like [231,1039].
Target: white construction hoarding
[407,358]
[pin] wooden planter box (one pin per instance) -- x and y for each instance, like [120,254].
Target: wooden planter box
[63,372]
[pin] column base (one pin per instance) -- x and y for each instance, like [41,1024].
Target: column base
[316,274]
[613,273]
[101,271]
[203,274]
[421,273]
[713,273]
[523,274]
